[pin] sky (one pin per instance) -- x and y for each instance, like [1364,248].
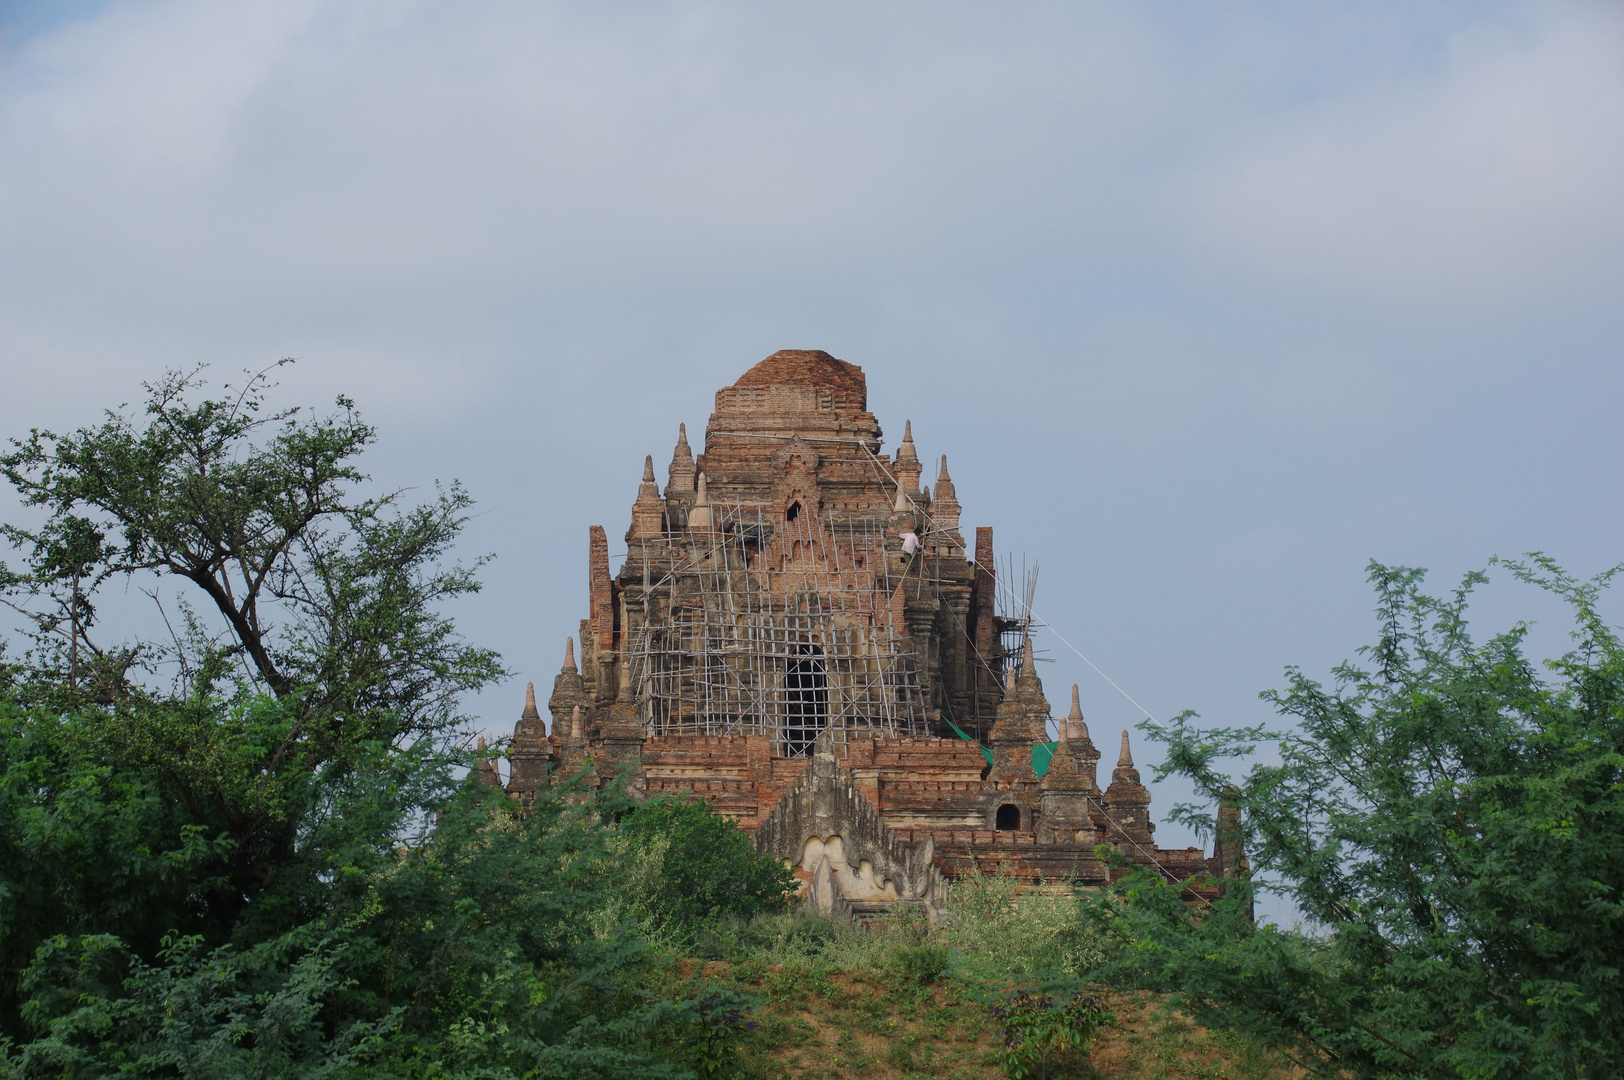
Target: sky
[1208,304]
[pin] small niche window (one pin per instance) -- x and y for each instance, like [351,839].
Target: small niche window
[1009,818]
[793,512]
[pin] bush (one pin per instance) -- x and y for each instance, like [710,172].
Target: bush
[998,935]
[790,937]
[698,867]
[920,965]
[1038,1031]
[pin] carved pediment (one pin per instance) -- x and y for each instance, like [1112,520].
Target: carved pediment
[825,821]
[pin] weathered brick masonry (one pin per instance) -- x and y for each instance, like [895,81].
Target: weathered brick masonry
[799,636]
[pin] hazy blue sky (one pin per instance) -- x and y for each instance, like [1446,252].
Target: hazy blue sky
[1208,304]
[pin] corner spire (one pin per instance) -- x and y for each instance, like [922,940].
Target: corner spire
[575,723]
[700,516]
[569,657]
[1125,761]
[648,512]
[907,456]
[681,473]
[946,507]
[901,506]
[906,461]
[1076,729]
[485,768]
[530,710]
[1027,666]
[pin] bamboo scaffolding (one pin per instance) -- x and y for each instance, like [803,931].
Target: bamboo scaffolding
[778,626]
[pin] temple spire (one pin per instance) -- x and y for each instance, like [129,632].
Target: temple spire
[569,657]
[485,768]
[530,710]
[681,473]
[1125,760]
[945,506]
[1027,666]
[575,723]
[907,460]
[648,512]
[700,516]
[902,506]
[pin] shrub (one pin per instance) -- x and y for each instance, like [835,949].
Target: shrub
[920,965]
[790,937]
[708,1037]
[998,935]
[709,869]
[1039,1030]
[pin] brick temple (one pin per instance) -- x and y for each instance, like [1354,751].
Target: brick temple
[801,634]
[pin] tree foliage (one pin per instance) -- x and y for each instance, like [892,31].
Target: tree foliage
[246,844]
[322,647]
[1450,815]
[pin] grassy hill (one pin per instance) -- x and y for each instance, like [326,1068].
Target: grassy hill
[814,1022]
[809,997]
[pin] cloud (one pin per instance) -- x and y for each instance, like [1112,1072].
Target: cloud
[289,150]
[1494,182]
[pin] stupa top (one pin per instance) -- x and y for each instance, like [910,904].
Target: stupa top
[808,367]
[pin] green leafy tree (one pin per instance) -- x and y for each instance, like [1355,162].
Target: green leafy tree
[248,845]
[1450,815]
[476,953]
[318,638]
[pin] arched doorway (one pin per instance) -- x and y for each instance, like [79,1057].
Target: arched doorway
[1008,819]
[806,700]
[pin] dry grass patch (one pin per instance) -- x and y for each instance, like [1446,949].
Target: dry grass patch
[1151,1041]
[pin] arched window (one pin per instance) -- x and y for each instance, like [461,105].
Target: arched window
[1009,818]
[793,512]
[806,700]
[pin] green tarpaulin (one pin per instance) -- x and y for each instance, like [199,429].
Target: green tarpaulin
[1041,753]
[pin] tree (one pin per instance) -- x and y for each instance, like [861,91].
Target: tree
[274,862]
[223,803]
[325,596]
[1452,820]
[478,952]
